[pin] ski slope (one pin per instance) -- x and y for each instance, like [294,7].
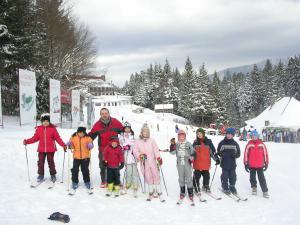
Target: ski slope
[20,204]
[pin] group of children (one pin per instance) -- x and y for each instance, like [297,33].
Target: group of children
[193,160]
[197,157]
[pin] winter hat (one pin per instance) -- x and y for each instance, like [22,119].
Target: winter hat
[254,133]
[114,139]
[230,130]
[200,130]
[45,116]
[181,132]
[145,128]
[127,124]
[81,129]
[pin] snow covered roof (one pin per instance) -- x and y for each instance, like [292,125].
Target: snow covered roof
[111,98]
[283,113]
[163,106]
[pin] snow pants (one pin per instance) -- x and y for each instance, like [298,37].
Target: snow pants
[228,175]
[113,176]
[261,179]
[150,172]
[132,176]
[185,175]
[102,167]
[196,179]
[41,162]
[84,166]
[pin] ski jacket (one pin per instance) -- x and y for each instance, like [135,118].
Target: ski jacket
[127,144]
[229,151]
[148,147]
[256,154]
[184,151]
[105,131]
[46,137]
[204,150]
[113,156]
[79,145]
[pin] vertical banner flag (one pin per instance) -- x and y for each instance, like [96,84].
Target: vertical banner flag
[55,101]
[1,115]
[27,96]
[75,108]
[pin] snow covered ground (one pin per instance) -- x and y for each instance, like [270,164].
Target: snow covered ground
[20,204]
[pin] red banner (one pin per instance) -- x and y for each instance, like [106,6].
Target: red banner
[66,97]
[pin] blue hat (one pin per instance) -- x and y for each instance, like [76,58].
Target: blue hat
[230,130]
[254,133]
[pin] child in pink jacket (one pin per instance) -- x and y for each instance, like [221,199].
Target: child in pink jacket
[147,153]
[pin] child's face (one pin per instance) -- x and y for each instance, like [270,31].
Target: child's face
[114,144]
[45,123]
[127,130]
[80,134]
[200,135]
[229,136]
[145,134]
[181,138]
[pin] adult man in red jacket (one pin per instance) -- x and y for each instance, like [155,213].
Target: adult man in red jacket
[256,160]
[105,128]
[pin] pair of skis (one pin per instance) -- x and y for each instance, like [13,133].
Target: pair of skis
[236,197]
[72,191]
[38,183]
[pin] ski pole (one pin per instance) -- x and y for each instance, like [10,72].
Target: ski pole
[196,184]
[213,177]
[144,175]
[139,176]
[90,170]
[63,168]
[69,170]
[125,172]
[163,177]
[27,164]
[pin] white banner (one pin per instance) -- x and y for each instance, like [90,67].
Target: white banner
[75,108]
[1,115]
[55,101]
[27,96]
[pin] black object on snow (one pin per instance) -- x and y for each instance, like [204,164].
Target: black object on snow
[59,217]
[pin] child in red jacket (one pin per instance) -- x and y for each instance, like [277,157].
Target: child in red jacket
[113,157]
[46,134]
[256,160]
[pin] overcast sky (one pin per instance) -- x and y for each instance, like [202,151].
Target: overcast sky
[131,34]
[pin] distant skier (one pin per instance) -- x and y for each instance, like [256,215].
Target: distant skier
[147,153]
[229,150]
[176,128]
[157,126]
[46,134]
[204,151]
[113,157]
[81,145]
[131,170]
[256,160]
[184,152]
[244,134]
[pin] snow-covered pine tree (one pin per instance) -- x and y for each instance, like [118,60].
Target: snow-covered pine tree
[244,98]
[293,73]
[258,90]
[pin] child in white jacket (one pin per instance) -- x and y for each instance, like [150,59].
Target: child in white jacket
[131,171]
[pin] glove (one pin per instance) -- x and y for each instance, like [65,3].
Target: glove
[191,160]
[220,154]
[159,160]
[69,144]
[218,161]
[265,167]
[105,163]
[90,145]
[121,166]
[65,148]
[247,168]
[24,142]
[172,141]
[172,147]
[126,147]
[143,157]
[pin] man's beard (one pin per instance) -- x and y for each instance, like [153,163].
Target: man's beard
[105,121]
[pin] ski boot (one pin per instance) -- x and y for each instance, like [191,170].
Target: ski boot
[206,189]
[191,196]
[40,178]
[103,185]
[150,196]
[87,185]
[161,197]
[74,185]
[254,190]
[110,188]
[226,191]
[117,190]
[233,189]
[266,195]
[53,178]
